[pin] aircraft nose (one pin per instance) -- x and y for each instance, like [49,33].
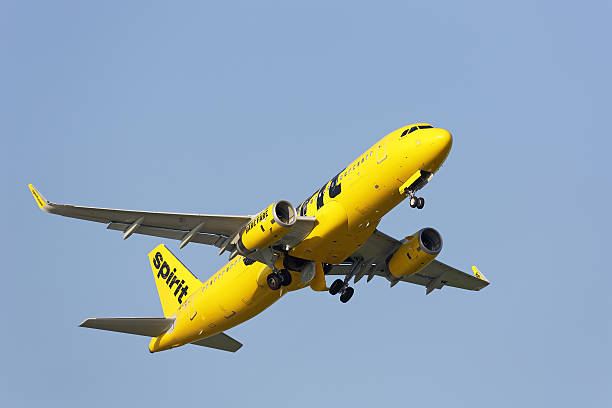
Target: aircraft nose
[439,143]
[444,140]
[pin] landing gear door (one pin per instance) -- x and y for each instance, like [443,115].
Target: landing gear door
[381,150]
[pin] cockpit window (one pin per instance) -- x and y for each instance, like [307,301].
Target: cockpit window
[425,127]
[408,131]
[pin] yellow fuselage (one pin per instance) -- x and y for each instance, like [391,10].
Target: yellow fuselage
[347,208]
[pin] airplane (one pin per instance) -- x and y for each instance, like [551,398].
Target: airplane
[281,249]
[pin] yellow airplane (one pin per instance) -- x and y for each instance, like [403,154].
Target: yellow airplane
[283,248]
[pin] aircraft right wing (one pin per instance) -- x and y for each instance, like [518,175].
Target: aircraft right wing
[375,251]
[215,230]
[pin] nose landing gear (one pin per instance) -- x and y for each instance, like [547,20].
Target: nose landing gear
[417,202]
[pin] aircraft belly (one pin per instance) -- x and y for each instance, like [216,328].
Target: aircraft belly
[325,241]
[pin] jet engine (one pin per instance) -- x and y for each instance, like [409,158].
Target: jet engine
[267,227]
[416,252]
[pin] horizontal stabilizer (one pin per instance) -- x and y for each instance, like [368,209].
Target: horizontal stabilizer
[220,341]
[142,326]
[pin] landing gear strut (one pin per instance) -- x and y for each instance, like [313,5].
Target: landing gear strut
[279,278]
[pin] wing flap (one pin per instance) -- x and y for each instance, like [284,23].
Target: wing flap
[200,238]
[220,341]
[142,326]
[213,224]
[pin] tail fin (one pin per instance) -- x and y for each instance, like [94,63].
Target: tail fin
[174,281]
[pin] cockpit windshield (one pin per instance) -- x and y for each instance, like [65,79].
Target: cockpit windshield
[413,128]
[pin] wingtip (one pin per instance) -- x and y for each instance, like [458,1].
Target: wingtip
[41,201]
[479,274]
[84,323]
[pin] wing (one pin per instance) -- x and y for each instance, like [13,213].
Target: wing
[372,256]
[215,230]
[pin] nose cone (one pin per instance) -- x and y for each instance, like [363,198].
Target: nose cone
[438,143]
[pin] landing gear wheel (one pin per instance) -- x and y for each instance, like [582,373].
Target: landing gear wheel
[420,203]
[274,281]
[335,287]
[413,201]
[347,294]
[285,277]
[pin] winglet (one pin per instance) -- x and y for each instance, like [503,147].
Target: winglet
[479,274]
[40,199]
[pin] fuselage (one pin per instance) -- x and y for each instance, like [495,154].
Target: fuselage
[348,208]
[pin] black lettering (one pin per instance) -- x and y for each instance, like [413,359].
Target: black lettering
[158,260]
[170,277]
[183,293]
[320,197]
[161,273]
[335,187]
[178,287]
[174,280]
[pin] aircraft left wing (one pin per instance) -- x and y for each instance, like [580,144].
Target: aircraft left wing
[215,230]
[375,251]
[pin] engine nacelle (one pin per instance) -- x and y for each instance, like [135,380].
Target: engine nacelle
[267,227]
[416,253]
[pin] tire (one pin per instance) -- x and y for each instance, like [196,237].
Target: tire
[274,281]
[420,203]
[285,277]
[347,294]
[413,202]
[335,287]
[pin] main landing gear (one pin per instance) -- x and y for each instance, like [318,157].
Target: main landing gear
[279,278]
[346,292]
[417,202]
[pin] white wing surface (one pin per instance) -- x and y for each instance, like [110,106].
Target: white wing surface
[206,229]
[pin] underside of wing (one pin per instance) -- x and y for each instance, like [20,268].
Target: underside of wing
[371,260]
[209,229]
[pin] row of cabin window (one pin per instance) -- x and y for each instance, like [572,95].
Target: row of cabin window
[218,276]
[412,129]
[366,156]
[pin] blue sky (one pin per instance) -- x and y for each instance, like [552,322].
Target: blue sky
[208,108]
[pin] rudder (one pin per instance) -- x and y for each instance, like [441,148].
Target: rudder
[175,283]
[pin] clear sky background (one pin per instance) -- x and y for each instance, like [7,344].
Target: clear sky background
[206,108]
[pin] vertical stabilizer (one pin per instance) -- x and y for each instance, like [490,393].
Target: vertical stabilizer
[174,281]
